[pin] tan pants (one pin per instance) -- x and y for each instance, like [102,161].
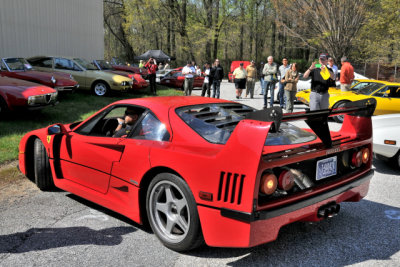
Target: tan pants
[250,86]
[345,87]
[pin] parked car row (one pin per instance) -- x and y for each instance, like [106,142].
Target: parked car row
[50,75]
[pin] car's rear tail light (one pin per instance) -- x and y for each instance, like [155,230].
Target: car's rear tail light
[357,159]
[286,180]
[365,155]
[268,184]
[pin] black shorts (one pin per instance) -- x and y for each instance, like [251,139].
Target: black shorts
[240,83]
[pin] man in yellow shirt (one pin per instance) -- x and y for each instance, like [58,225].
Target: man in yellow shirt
[251,79]
[239,76]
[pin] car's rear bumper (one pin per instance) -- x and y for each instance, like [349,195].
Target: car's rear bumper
[228,228]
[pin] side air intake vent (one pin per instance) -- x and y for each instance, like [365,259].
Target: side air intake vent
[230,187]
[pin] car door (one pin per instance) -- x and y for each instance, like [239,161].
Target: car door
[150,132]
[70,67]
[388,100]
[87,154]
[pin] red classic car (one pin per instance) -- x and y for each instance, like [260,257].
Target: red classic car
[18,94]
[200,169]
[19,68]
[137,81]
[132,69]
[177,79]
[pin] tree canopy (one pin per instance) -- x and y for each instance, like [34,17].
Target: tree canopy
[203,30]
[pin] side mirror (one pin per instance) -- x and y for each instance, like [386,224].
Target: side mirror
[56,129]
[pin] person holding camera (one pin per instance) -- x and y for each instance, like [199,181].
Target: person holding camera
[152,68]
[321,78]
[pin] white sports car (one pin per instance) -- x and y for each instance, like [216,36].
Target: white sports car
[386,137]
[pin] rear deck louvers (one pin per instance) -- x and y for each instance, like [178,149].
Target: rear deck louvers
[230,187]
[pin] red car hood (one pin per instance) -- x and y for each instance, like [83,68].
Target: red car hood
[23,87]
[44,77]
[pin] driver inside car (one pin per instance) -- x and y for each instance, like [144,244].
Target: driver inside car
[125,125]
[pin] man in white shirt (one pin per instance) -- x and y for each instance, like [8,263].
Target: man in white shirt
[189,72]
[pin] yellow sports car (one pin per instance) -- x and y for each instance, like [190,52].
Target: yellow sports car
[387,96]
[86,74]
[304,96]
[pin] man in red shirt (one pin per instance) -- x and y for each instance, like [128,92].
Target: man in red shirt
[346,75]
[152,68]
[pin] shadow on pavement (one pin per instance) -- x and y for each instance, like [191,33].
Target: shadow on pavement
[146,228]
[361,232]
[36,239]
[385,167]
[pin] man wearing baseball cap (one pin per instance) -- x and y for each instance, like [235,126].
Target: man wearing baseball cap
[321,78]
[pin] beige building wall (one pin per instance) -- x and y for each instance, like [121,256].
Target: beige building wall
[52,27]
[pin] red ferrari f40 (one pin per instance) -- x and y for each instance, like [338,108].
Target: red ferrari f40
[207,170]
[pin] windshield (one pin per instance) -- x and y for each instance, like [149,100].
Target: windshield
[104,65]
[369,89]
[85,64]
[17,64]
[362,85]
[216,122]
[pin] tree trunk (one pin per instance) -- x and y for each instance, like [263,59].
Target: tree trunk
[216,29]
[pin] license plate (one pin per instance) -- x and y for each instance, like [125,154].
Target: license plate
[326,168]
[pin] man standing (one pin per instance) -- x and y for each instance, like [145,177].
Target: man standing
[282,70]
[251,78]
[189,72]
[320,80]
[269,71]
[217,76]
[346,75]
[152,68]
[333,67]
[261,77]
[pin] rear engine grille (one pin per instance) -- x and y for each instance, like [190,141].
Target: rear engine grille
[230,187]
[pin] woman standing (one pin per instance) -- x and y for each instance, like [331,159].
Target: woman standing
[239,75]
[291,79]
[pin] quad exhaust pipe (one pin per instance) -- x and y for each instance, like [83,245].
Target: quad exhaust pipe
[329,210]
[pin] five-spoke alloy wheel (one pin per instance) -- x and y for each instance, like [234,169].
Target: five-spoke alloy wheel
[172,213]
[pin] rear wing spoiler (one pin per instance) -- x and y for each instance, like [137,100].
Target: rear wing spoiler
[317,120]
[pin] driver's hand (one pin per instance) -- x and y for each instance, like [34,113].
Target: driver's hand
[120,120]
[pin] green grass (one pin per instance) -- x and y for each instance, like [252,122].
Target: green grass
[72,107]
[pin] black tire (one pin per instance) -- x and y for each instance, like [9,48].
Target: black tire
[3,107]
[43,176]
[339,118]
[395,161]
[175,222]
[101,88]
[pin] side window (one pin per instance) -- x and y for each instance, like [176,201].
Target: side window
[2,66]
[42,62]
[105,123]
[61,64]
[394,92]
[150,128]
[384,92]
[75,67]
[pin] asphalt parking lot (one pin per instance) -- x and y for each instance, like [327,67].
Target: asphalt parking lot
[58,229]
